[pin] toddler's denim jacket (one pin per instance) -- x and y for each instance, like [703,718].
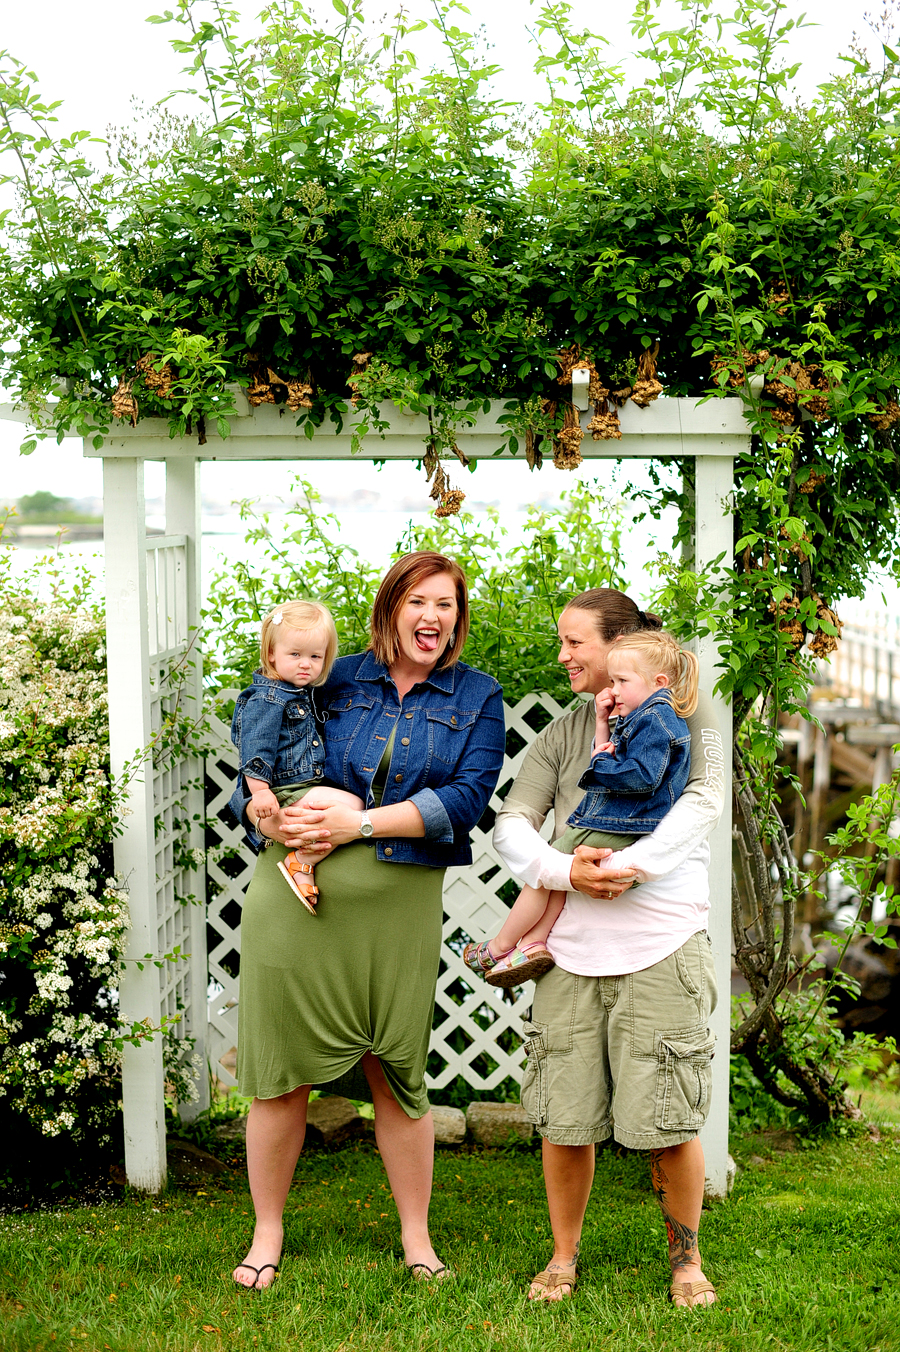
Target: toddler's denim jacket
[277,735]
[630,792]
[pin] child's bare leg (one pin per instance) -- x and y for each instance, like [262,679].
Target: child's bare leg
[539,933]
[526,915]
[324,796]
[299,872]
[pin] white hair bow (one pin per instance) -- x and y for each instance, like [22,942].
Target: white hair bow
[278,617]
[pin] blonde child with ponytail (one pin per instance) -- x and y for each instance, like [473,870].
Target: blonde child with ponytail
[635,776]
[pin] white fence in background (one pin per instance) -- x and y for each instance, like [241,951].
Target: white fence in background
[477,1031]
[865,667]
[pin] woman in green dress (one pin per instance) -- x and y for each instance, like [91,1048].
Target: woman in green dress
[419,736]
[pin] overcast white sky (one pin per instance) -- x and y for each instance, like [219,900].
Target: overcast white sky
[96,55]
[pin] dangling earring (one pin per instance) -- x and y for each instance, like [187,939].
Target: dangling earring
[452,639]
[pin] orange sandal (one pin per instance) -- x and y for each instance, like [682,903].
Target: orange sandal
[294,869]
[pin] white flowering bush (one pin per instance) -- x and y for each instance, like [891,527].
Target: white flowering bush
[63,915]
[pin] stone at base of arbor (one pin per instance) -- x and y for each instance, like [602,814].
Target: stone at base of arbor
[495,1124]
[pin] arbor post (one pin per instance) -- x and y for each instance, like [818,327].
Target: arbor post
[714,536]
[183,518]
[128,666]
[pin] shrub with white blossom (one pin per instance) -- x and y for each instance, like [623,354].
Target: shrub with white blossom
[63,914]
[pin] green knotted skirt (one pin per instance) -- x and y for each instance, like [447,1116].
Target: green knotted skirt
[317,992]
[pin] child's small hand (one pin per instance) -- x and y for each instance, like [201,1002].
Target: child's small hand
[604,703]
[608,747]
[264,804]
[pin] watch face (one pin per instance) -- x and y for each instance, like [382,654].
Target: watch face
[365,827]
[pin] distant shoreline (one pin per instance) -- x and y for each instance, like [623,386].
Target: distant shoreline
[70,531]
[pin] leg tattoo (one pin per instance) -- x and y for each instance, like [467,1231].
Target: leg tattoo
[682,1239]
[558,1267]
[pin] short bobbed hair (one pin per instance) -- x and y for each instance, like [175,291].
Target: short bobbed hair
[297,615]
[403,577]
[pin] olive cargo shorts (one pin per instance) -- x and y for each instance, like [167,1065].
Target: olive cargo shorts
[627,1056]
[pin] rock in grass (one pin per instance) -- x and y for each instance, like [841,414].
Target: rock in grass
[332,1120]
[189,1163]
[449,1125]
[235,1130]
[498,1123]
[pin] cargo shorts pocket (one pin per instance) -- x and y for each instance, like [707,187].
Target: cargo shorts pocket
[684,1078]
[534,1093]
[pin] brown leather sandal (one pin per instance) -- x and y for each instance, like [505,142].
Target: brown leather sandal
[553,1279]
[294,869]
[689,1291]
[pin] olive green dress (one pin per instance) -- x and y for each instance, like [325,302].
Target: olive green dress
[318,991]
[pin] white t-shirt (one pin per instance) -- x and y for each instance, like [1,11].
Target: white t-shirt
[649,922]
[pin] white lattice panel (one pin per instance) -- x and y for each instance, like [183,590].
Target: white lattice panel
[477,1027]
[177,785]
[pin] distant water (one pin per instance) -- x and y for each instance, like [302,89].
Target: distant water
[374,535]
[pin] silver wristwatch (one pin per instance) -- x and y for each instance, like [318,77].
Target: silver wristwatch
[366,828]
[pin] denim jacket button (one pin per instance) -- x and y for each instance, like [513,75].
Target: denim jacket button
[315,743]
[397,778]
[404,741]
[388,850]
[453,718]
[409,715]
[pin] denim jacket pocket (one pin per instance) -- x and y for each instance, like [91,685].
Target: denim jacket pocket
[344,715]
[444,727]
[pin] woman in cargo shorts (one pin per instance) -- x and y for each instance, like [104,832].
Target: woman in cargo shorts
[618,1038]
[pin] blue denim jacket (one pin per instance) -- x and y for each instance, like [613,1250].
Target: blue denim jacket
[274,729]
[630,793]
[446,758]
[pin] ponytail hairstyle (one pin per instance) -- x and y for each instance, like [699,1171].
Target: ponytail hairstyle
[613,613]
[659,653]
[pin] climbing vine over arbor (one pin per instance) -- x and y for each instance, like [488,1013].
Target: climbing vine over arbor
[334,227]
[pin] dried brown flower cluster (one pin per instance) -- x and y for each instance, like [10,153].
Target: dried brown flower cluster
[448,499]
[790,397]
[533,455]
[124,404]
[567,444]
[604,426]
[647,387]
[263,381]
[814,482]
[738,365]
[796,548]
[360,363]
[450,502]
[888,415]
[159,381]
[822,644]
[788,623]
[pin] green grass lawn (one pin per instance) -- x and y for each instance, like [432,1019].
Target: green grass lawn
[805,1254]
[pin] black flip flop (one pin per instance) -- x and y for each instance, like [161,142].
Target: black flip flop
[432,1272]
[242,1286]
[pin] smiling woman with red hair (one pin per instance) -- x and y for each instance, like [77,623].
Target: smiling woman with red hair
[419,736]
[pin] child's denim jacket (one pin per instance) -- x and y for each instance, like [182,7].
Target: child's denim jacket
[276,733]
[630,792]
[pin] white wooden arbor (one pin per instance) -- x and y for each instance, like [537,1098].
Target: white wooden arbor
[153,602]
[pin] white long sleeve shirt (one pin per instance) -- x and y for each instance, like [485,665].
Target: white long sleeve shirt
[649,922]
